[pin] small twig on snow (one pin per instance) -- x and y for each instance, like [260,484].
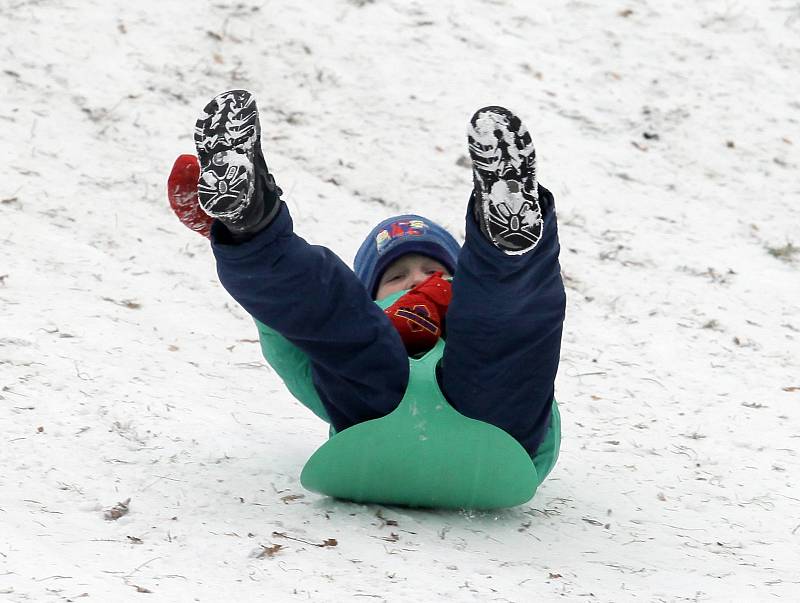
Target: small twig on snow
[328,542]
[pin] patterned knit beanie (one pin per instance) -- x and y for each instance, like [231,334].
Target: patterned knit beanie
[398,236]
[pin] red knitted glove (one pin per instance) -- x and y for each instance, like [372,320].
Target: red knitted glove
[182,194]
[419,314]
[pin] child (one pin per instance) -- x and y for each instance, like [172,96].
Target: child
[322,325]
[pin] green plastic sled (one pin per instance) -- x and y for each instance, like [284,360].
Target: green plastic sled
[426,454]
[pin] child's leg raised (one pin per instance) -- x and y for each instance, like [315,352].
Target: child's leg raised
[302,291]
[308,295]
[505,320]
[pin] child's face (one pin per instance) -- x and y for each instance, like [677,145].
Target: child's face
[406,272]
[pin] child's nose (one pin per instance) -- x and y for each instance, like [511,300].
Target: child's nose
[417,278]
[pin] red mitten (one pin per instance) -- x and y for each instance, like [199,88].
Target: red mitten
[419,314]
[182,194]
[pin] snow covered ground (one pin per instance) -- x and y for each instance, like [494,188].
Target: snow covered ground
[668,132]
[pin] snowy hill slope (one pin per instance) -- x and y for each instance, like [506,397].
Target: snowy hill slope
[669,135]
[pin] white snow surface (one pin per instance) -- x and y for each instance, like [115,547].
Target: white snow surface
[668,132]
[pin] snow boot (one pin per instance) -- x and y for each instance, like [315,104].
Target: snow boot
[506,196]
[235,186]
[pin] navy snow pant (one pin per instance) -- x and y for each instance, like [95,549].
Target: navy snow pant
[503,326]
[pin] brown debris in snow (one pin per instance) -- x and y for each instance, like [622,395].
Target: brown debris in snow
[117,511]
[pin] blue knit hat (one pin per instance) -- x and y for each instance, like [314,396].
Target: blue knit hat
[398,236]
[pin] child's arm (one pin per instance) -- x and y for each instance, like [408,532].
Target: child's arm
[293,366]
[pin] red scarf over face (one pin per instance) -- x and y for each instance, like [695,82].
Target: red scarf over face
[419,314]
